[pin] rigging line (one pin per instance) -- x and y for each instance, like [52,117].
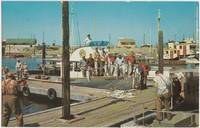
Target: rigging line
[78,29]
[169,26]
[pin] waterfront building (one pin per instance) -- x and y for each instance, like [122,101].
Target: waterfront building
[126,43]
[146,46]
[175,50]
[19,46]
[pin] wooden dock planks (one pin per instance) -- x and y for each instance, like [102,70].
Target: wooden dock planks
[103,112]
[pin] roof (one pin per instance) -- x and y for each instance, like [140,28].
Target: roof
[126,40]
[21,41]
[99,43]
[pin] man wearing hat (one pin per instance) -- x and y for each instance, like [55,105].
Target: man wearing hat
[11,104]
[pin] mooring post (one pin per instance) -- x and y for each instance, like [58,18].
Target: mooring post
[65,62]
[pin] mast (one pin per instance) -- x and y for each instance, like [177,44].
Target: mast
[160,45]
[144,39]
[158,20]
[197,29]
[43,50]
[109,38]
[94,26]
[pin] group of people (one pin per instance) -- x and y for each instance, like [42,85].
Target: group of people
[10,99]
[169,92]
[11,92]
[103,63]
[22,70]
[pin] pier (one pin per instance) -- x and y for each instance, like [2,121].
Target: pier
[104,111]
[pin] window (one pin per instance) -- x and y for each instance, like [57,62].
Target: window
[175,51]
[192,46]
[166,52]
[180,47]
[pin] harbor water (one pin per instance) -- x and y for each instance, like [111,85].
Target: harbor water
[32,62]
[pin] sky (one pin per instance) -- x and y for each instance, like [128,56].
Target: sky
[106,21]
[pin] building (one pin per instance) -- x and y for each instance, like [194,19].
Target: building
[186,47]
[146,46]
[19,46]
[175,50]
[126,43]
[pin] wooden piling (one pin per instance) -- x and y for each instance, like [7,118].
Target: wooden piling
[65,62]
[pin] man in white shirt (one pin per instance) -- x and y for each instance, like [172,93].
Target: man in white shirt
[119,62]
[163,85]
[19,69]
[102,62]
[88,40]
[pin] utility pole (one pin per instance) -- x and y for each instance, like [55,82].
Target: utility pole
[65,62]
[160,45]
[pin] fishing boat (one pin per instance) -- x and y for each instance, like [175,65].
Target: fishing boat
[54,65]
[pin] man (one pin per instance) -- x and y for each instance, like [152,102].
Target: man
[97,60]
[108,50]
[90,67]
[119,62]
[88,40]
[131,61]
[19,69]
[4,72]
[135,74]
[106,70]
[111,60]
[177,89]
[163,85]
[125,67]
[102,61]
[83,65]
[144,74]
[25,71]
[11,104]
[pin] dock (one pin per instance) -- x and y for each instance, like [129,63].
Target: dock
[104,111]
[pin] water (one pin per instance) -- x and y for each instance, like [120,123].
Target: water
[37,103]
[11,62]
